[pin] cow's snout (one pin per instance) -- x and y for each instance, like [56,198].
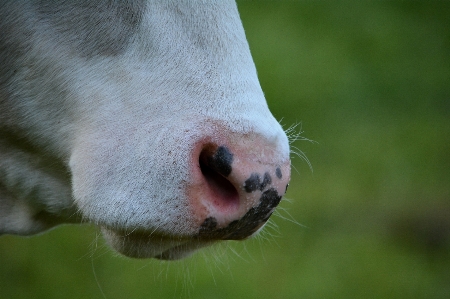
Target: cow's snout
[237,188]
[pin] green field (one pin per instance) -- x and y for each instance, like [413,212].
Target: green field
[369,82]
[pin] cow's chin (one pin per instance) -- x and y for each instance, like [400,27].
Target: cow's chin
[151,245]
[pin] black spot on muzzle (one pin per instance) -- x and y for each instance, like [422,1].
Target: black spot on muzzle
[278,173]
[254,182]
[247,225]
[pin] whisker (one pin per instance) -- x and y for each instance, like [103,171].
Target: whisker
[294,133]
[290,218]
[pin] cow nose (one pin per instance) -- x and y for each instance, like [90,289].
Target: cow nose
[239,191]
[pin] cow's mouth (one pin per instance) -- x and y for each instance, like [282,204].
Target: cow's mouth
[145,245]
[183,250]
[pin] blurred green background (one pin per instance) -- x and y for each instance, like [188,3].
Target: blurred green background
[369,82]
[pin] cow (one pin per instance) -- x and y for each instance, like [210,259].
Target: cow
[146,119]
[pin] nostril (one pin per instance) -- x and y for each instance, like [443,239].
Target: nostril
[215,165]
[218,158]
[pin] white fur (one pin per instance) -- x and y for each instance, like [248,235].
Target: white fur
[116,132]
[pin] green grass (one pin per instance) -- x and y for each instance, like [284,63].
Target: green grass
[369,81]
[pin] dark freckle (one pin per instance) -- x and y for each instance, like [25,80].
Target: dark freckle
[278,173]
[252,183]
[208,225]
[266,181]
[286,188]
[269,199]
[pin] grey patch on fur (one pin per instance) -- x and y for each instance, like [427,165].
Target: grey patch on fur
[13,34]
[96,28]
[88,28]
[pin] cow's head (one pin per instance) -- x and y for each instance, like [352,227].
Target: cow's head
[165,131]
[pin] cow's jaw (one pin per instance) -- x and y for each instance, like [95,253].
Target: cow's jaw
[152,245]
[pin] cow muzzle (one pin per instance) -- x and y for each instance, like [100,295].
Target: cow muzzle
[237,188]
